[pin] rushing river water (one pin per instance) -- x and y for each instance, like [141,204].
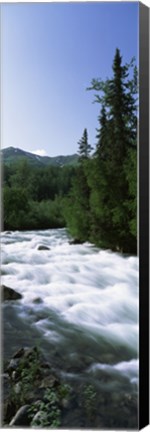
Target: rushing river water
[80,305]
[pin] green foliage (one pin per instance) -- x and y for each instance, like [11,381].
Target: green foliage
[46,214]
[77,206]
[112,191]
[90,395]
[27,372]
[16,207]
[45,412]
[33,197]
[89,401]
[64,391]
[48,411]
[131,201]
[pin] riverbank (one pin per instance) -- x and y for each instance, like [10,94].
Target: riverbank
[34,395]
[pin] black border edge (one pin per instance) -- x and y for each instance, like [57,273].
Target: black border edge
[143,215]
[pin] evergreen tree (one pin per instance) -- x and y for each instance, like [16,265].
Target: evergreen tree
[110,189]
[77,212]
[84,147]
[33,196]
[101,148]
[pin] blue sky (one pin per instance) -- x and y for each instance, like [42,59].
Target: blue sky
[50,53]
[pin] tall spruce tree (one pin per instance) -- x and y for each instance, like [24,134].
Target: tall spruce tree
[110,189]
[101,148]
[77,211]
[84,147]
[102,203]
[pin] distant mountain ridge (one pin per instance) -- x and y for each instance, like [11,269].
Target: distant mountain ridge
[11,155]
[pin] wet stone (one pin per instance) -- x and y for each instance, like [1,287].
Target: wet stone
[42,247]
[12,365]
[8,411]
[37,418]
[17,388]
[21,418]
[9,293]
[30,352]
[75,242]
[37,300]
[65,403]
[5,379]
[49,381]
[19,353]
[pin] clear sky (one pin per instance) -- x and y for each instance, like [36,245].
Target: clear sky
[50,53]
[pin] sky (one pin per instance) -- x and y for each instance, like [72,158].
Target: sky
[49,54]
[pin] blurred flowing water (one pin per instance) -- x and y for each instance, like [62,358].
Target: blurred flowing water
[80,305]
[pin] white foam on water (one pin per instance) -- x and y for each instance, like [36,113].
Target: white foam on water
[128,369]
[95,290]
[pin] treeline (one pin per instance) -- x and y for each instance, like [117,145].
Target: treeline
[33,196]
[101,206]
[97,199]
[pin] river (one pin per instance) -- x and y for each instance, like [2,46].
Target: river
[79,305]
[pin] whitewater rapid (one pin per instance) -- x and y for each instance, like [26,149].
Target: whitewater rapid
[78,299]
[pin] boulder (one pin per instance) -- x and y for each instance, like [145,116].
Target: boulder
[42,247]
[21,417]
[8,411]
[17,388]
[37,300]
[30,353]
[37,418]
[9,293]
[65,403]
[19,353]
[76,242]
[6,383]
[13,365]
[49,381]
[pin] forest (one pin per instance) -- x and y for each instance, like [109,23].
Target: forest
[96,199]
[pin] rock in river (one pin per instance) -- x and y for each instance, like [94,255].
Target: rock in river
[9,293]
[42,247]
